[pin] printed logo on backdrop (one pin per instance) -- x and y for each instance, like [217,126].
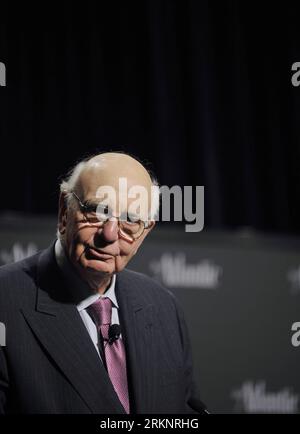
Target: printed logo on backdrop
[173,270]
[17,253]
[293,277]
[254,398]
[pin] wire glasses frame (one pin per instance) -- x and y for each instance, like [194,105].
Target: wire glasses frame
[128,230]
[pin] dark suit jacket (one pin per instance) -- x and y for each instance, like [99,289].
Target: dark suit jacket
[50,365]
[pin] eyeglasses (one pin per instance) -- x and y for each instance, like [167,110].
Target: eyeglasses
[97,215]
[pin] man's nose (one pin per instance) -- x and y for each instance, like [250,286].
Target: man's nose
[110,231]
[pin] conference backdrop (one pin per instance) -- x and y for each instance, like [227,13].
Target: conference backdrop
[240,293]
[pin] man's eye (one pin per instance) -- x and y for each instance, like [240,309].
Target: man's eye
[89,206]
[102,209]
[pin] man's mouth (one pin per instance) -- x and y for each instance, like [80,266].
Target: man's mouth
[92,251]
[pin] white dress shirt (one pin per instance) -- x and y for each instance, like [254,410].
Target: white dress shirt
[76,285]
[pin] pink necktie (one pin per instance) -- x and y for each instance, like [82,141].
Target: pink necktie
[114,352]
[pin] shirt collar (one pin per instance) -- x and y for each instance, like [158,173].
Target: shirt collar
[81,288]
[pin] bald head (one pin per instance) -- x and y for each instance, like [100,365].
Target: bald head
[107,169]
[120,164]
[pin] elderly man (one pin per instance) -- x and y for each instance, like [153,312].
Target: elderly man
[85,335]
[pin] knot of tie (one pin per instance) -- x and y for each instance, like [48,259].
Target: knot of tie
[100,311]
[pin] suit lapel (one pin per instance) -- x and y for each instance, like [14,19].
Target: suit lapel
[59,328]
[137,319]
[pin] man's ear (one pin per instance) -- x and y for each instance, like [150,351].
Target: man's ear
[62,212]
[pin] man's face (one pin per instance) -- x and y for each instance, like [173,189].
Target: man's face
[99,250]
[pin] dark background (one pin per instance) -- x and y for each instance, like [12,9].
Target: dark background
[201,90]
